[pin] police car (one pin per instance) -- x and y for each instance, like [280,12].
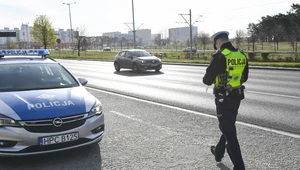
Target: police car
[43,107]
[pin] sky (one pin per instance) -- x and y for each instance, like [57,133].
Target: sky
[100,16]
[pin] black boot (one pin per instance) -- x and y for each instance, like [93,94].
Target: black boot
[213,151]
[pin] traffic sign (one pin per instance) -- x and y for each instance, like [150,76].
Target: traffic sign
[8,34]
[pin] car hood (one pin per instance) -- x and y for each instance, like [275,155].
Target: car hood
[148,58]
[42,104]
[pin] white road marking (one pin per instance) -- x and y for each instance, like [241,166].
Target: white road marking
[193,112]
[146,123]
[273,94]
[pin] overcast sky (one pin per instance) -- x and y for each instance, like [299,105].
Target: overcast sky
[99,16]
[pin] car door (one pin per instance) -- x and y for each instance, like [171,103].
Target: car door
[121,59]
[128,60]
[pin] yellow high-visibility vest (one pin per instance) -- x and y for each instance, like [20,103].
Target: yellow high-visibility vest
[235,65]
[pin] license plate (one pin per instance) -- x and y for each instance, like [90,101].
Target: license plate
[49,140]
[153,65]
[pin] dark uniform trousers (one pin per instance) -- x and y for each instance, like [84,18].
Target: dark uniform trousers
[227,111]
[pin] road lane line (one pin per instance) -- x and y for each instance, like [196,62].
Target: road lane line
[143,122]
[198,113]
[273,94]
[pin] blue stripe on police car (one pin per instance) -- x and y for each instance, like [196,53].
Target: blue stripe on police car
[29,105]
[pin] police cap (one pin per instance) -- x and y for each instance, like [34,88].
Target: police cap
[219,35]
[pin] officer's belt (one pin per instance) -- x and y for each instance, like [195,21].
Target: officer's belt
[226,92]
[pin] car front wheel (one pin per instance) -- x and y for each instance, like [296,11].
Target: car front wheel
[135,68]
[117,67]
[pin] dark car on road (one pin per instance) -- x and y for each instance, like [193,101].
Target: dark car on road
[137,60]
[188,49]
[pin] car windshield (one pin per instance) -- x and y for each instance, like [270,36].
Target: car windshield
[140,53]
[20,77]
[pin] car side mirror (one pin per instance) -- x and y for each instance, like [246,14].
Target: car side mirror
[83,81]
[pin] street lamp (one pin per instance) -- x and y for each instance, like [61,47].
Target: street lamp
[70,20]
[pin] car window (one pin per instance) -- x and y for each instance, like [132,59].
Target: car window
[128,54]
[122,54]
[141,53]
[18,77]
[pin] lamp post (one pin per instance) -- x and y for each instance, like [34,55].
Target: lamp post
[70,20]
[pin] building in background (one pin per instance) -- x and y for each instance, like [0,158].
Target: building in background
[142,37]
[25,35]
[118,35]
[181,35]
[3,40]
[111,34]
[63,35]
[114,39]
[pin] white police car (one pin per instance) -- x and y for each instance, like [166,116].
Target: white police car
[43,108]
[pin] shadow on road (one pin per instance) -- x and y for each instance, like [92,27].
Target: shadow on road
[222,166]
[83,158]
[130,73]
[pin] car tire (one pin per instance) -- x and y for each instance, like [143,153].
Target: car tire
[157,70]
[117,67]
[135,68]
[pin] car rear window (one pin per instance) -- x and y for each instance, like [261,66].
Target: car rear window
[19,77]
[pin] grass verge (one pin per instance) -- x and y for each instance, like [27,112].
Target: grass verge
[109,56]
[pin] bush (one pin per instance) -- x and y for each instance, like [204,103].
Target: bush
[265,56]
[251,56]
[289,59]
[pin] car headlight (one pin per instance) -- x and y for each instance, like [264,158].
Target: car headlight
[7,121]
[142,61]
[96,110]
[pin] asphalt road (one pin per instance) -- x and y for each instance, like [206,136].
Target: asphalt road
[272,96]
[169,122]
[143,135]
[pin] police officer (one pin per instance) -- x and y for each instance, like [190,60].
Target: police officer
[228,70]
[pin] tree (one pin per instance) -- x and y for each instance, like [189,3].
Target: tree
[294,16]
[239,35]
[43,32]
[277,35]
[176,43]
[195,40]
[139,41]
[252,31]
[204,38]
[79,35]
[123,39]
[157,40]
[262,35]
[115,39]
[9,44]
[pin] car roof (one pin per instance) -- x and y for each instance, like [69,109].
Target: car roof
[25,59]
[136,50]
[17,56]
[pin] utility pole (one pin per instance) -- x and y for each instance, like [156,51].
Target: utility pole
[133,25]
[134,32]
[191,30]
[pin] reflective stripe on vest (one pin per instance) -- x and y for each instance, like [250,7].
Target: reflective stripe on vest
[235,64]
